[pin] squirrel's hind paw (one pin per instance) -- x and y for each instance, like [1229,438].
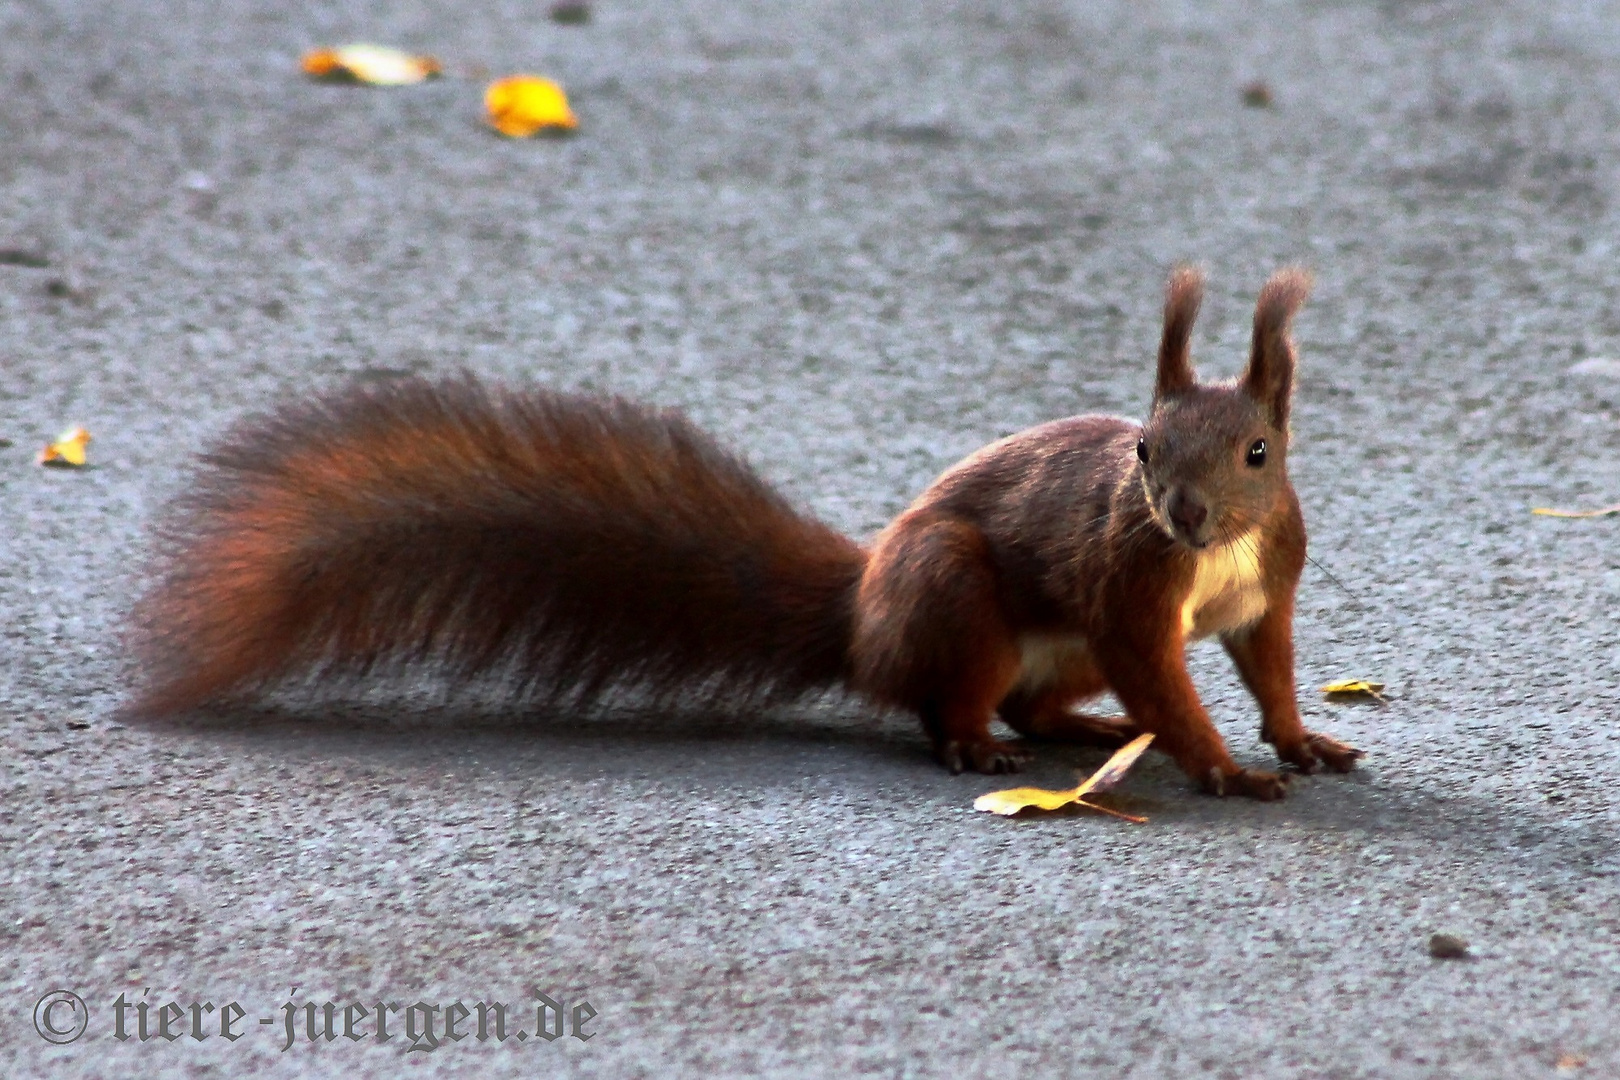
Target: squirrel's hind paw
[1321,751]
[1248,783]
[990,756]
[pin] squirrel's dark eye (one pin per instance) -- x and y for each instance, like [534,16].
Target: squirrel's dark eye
[1257,454]
[1141,451]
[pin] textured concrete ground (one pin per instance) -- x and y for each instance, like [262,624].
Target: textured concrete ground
[857,240]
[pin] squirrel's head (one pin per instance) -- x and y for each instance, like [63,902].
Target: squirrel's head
[1213,456]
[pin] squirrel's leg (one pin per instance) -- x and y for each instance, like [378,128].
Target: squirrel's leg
[1153,685]
[930,636]
[1042,711]
[957,718]
[1264,655]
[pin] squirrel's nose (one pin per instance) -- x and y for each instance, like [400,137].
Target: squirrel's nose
[1187,512]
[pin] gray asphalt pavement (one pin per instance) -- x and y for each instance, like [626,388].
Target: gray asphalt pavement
[856,240]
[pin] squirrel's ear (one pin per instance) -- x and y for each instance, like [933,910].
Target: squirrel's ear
[1270,378]
[1181,299]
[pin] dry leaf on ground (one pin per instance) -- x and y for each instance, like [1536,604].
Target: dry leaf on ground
[1012,801]
[1545,511]
[1356,688]
[525,105]
[378,65]
[67,450]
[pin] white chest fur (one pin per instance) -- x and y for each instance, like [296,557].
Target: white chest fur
[1047,656]
[1226,593]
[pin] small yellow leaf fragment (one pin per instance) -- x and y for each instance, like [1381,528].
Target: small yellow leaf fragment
[1012,801]
[375,64]
[1603,512]
[1015,799]
[1355,688]
[525,105]
[68,449]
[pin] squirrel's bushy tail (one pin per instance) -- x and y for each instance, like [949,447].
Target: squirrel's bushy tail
[580,543]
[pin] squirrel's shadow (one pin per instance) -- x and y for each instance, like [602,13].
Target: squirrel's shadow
[603,741]
[742,750]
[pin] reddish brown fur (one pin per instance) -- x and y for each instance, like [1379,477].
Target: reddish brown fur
[594,543]
[1182,299]
[1272,360]
[1059,538]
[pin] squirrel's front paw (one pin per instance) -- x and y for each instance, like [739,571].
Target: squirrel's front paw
[981,755]
[1249,783]
[1319,751]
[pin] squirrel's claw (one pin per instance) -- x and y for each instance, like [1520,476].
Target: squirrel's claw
[1249,783]
[990,756]
[1316,750]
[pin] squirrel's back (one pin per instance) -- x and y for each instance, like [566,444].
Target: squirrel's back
[575,543]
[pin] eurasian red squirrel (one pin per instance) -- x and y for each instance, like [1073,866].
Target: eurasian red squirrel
[586,543]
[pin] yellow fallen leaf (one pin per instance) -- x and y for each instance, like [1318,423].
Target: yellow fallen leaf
[1012,801]
[525,105]
[1356,688]
[1604,512]
[1015,799]
[375,64]
[67,450]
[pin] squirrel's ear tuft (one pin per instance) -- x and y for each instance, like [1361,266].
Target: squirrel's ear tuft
[1270,378]
[1181,299]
